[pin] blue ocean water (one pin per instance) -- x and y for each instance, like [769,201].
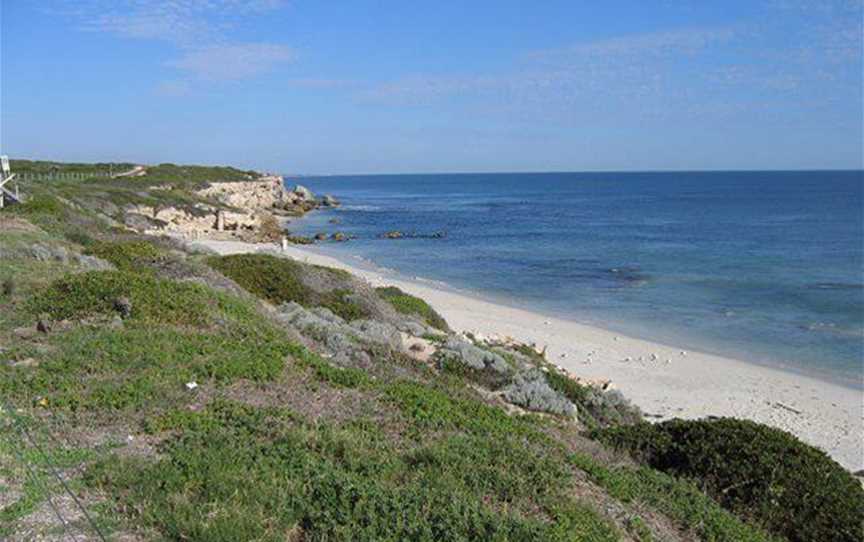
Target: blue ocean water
[764,266]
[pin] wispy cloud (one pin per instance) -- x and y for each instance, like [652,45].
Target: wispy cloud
[321,83]
[631,67]
[173,88]
[686,41]
[200,29]
[761,67]
[188,23]
[233,61]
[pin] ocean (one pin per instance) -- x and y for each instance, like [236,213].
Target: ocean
[762,266]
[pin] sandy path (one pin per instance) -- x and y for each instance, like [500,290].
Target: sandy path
[664,381]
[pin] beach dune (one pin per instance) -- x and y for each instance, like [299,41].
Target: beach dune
[663,380]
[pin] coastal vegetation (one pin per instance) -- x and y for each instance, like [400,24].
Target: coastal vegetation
[281,281]
[180,395]
[409,304]
[763,474]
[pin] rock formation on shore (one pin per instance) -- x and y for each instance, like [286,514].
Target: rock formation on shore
[229,209]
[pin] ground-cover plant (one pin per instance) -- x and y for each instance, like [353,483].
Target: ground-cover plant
[139,367]
[94,293]
[181,333]
[129,255]
[225,469]
[280,280]
[409,304]
[43,208]
[762,474]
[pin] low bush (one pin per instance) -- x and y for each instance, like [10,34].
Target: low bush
[279,280]
[94,293]
[596,408]
[39,204]
[409,304]
[762,474]
[270,229]
[680,500]
[126,255]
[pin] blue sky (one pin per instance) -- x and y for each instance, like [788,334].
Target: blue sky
[383,86]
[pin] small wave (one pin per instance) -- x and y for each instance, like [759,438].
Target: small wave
[837,286]
[367,208]
[833,329]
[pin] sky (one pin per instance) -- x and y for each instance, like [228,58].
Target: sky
[380,86]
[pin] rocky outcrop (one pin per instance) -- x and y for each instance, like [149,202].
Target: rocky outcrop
[303,194]
[263,194]
[238,209]
[198,219]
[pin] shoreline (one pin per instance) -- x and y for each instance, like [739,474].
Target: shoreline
[644,333]
[664,381]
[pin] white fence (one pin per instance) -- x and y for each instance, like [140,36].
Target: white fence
[60,176]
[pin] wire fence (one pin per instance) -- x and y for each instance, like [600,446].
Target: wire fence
[48,461]
[61,175]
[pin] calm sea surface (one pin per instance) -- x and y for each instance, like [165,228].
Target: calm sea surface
[765,266]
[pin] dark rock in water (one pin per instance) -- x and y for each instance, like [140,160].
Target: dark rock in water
[303,193]
[123,306]
[334,221]
[631,276]
[329,201]
[321,236]
[299,240]
[396,234]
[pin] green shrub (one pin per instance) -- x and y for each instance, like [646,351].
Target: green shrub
[762,474]
[126,255]
[9,286]
[409,304]
[595,407]
[94,293]
[39,204]
[279,280]
[680,500]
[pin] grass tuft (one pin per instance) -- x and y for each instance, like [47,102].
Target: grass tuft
[409,304]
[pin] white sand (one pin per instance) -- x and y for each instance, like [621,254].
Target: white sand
[675,384]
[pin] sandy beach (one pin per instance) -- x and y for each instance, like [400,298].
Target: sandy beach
[664,381]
